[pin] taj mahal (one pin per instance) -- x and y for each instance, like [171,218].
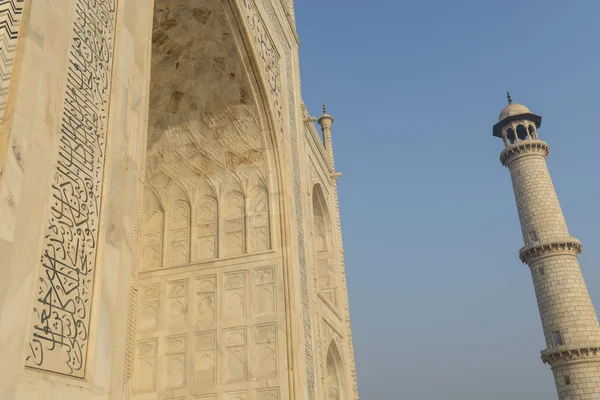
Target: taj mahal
[169,212]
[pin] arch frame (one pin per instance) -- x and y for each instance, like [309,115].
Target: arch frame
[278,199]
[336,354]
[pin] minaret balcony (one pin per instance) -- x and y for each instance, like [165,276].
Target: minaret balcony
[582,352]
[571,246]
[522,148]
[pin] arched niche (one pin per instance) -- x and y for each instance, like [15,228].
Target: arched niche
[234,210]
[153,231]
[205,236]
[323,247]
[334,381]
[212,160]
[259,218]
[178,225]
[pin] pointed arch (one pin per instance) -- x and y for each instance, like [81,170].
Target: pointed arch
[521,132]
[323,247]
[179,223]
[206,217]
[334,381]
[211,113]
[259,219]
[234,228]
[153,229]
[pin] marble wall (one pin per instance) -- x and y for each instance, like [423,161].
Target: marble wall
[155,218]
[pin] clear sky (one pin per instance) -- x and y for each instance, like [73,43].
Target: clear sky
[441,306]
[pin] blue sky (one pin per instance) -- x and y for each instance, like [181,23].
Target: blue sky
[441,306]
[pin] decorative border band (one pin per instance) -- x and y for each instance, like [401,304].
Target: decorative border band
[62,307]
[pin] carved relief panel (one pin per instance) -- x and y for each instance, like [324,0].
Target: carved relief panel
[152,241]
[235,295]
[234,224]
[267,394]
[206,229]
[148,308]
[323,247]
[208,172]
[190,232]
[146,366]
[179,216]
[196,349]
[266,351]
[206,298]
[235,354]
[205,359]
[177,306]
[264,291]
[259,219]
[236,396]
[175,361]
[206,397]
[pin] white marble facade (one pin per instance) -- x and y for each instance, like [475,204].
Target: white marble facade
[169,219]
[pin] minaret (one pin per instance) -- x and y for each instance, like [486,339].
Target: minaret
[568,318]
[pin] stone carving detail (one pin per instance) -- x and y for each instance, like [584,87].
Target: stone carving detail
[206,295]
[267,53]
[235,396]
[179,216]
[175,356]
[177,305]
[205,363]
[235,237]
[10,20]
[235,295]
[264,291]
[206,228]
[259,219]
[153,232]
[61,314]
[235,354]
[206,151]
[145,366]
[266,351]
[267,394]
[206,397]
[195,226]
[148,318]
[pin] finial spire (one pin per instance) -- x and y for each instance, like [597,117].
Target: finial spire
[324,109]
[508,97]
